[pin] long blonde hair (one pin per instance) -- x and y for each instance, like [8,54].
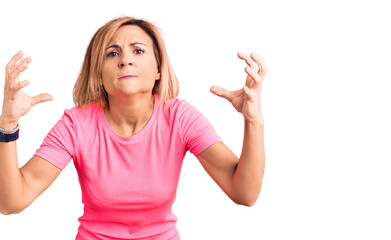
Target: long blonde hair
[89,85]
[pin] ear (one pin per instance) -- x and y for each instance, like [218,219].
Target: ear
[158,76]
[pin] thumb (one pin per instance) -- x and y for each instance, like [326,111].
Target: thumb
[43,97]
[221,92]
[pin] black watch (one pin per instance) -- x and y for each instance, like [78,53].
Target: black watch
[9,137]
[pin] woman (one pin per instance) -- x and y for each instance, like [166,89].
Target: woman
[128,135]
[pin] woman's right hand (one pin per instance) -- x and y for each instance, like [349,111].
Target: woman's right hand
[16,103]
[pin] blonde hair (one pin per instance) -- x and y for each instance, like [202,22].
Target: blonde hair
[89,85]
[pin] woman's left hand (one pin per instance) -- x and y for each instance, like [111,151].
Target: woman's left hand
[247,100]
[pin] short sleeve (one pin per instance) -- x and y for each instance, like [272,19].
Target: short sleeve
[58,147]
[196,130]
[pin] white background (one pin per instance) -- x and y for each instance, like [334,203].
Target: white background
[325,101]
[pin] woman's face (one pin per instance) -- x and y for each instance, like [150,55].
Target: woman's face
[129,53]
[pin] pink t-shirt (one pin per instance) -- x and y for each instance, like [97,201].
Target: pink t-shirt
[128,184]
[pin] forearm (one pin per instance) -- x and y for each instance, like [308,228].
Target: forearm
[247,178]
[11,179]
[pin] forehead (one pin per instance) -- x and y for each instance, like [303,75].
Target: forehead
[130,33]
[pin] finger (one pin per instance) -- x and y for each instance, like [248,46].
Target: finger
[246,57]
[21,85]
[43,97]
[264,67]
[261,64]
[251,72]
[20,67]
[24,61]
[221,92]
[13,60]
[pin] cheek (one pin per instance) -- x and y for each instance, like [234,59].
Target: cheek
[150,68]
[107,71]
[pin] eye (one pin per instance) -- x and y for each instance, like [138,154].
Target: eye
[112,54]
[138,49]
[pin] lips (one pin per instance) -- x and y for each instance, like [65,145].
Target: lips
[126,77]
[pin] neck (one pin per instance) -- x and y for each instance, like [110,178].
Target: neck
[128,116]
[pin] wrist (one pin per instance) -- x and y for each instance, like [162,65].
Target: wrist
[255,121]
[6,125]
[254,124]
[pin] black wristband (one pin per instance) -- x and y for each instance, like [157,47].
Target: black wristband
[9,137]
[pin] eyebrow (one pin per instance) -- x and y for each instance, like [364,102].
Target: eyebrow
[132,44]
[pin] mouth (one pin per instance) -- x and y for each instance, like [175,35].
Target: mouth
[126,77]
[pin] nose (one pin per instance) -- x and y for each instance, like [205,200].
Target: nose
[125,60]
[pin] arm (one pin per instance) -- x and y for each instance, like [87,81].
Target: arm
[14,187]
[11,179]
[20,187]
[247,178]
[241,181]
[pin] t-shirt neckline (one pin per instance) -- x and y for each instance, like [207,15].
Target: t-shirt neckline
[141,133]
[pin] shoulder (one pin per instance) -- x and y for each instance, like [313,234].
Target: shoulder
[176,110]
[81,114]
[180,106]
[84,111]
[183,112]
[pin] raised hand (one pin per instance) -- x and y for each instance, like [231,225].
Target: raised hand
[16,103]
[247,100]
